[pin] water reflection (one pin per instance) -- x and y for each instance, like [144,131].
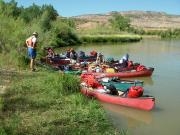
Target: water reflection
[134,116]
[164,56]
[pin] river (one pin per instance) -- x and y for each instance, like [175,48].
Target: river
[164,85]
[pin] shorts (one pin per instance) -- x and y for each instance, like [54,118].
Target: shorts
[31,53]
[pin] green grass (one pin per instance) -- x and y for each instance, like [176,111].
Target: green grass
[50,103]
[111,38]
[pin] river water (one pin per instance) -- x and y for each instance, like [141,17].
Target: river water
[164,85]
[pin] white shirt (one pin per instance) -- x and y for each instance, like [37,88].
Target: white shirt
[34,39]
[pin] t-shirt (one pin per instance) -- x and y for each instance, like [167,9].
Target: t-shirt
[34,39]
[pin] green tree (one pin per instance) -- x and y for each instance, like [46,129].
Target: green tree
[9,8]
[52,13]
[119,22]
[49,15]
[30,13]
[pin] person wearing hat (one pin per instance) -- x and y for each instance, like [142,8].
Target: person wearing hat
[31,43]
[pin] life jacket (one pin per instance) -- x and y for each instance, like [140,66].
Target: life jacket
[130,63]
[93,53]
[90,80]
[140,68]
[135,91]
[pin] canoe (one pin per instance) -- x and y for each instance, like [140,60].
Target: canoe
[121,85]
[144,102]
[120,68]
[73,72]
[55,61]
[126,74]
[87,59]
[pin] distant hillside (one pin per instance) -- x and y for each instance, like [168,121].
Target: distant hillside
[147,20]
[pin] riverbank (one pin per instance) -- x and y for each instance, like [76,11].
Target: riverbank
[46,102]
[97,38]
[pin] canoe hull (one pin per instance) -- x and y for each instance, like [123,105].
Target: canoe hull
[55,61]
[127,74]
[143,103]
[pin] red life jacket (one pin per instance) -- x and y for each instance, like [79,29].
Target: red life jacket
[135,91]
[90,80]
[140,68]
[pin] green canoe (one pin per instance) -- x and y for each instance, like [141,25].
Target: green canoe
[73,72]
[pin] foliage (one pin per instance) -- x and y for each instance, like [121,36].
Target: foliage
[18,23]
[30,13]
[10,9]
[170,33]
[50,103]
[69,21]
[110,38]
[119,22]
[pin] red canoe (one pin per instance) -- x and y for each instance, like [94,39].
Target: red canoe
[127,74]
[144,103]
[55,61]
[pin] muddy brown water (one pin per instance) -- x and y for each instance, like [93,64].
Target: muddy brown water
[164,85]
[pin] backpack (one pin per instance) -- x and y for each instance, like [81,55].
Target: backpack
[81,54]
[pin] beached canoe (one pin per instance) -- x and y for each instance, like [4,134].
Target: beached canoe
[73,72]
[87,59]
[120,84]
[126,74]
[55,61]
[144,102]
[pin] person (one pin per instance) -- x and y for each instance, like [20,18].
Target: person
[126,57]
[50,53]
[100,58]
[98,69]
[31,43]
[73,56]
[124,60]
[68,53]
[112,90]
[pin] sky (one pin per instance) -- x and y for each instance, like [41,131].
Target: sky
[69,8]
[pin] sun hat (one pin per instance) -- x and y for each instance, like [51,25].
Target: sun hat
[35,33]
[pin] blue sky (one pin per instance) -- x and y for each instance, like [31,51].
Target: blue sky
[68,8]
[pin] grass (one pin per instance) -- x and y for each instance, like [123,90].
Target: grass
[50,103]
[111,38]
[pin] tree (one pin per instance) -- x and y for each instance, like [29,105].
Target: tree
[52,13]
[120,22]
[30,13]
[49,14]
[10,8]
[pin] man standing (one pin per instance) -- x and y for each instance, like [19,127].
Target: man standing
[31,43]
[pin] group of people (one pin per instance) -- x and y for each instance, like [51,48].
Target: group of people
[72,54]
[31,44]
